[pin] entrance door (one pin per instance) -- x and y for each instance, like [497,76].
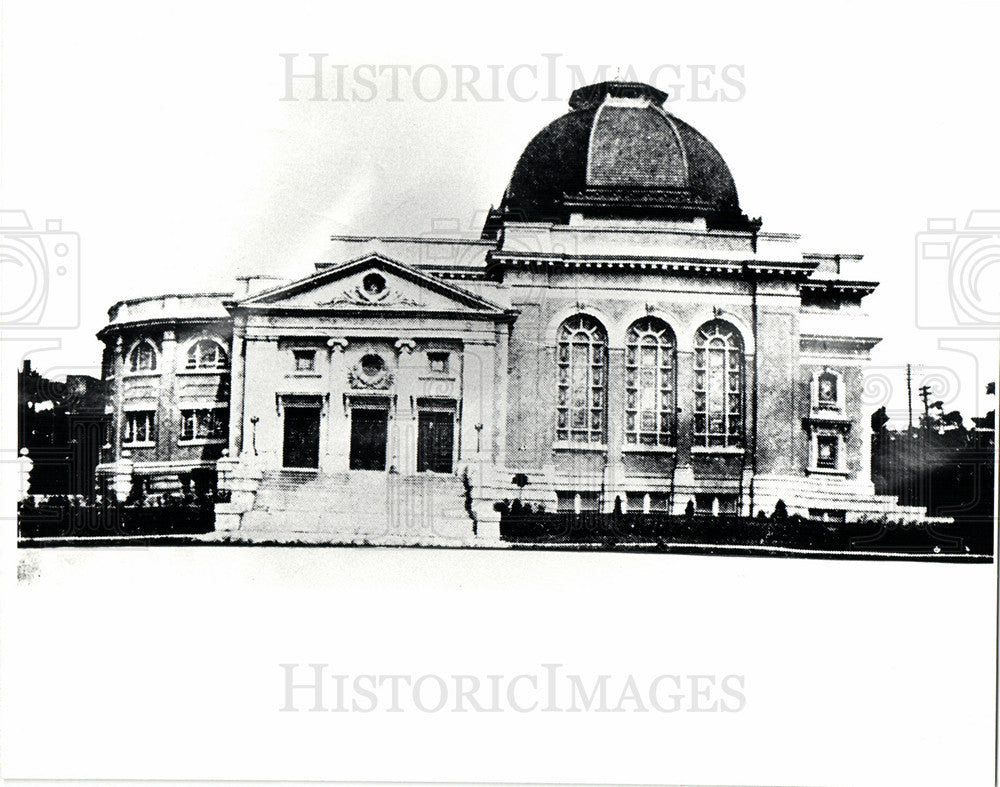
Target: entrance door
[301,446]
[435,441]
[369,428]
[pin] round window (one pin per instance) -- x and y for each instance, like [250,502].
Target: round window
[373,284]
[372,365]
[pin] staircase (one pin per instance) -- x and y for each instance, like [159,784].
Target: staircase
[359,507]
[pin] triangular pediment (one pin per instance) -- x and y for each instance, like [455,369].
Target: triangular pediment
[372,283]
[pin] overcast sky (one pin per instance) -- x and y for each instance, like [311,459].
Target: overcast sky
[157,132]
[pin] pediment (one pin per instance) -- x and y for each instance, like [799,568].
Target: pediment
[372,283]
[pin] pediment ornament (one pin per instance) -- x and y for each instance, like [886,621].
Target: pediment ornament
[373,291]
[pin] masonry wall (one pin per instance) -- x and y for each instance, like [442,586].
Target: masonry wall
[167,390]
[617,299]
[339,344]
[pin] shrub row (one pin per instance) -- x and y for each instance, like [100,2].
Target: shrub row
[523,525]
[68,517]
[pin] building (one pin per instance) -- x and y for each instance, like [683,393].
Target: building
[61,428]
[621,331]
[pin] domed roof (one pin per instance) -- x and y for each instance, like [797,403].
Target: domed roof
[619,153]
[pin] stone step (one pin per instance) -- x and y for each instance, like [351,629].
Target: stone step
[344,528]
[353,500]
[359,507]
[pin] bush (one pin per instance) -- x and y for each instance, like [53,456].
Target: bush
[520,524]
[77,518]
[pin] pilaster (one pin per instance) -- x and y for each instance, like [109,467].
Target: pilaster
[684,473]
[403,418]
[237,385]
[614,470]
[337,442]
[167,417]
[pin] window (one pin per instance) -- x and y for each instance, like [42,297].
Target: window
[647,503]
[827,394]
[142,358]
[714,505]
[206,354]
[827,452]
[139,427]
[718,386]
[577,502]
[372,365]
[438,362]
[649,384]
[373,284]
[582,371]
[205,424]
[305,360]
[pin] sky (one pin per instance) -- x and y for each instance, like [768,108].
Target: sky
[157,133]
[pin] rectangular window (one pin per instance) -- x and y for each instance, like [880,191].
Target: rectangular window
[826,451]
[568,502]
[438,362]
[714,505]
[305,360]
[205,424]
[827,391]
[139,427]
[651,502]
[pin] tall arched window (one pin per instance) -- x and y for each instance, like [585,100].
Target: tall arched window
[206,354]
[718,386]
[143,358]
[582,360]
[649,384]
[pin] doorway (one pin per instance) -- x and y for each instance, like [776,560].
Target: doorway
[301,443]
[435,441]
[369,432]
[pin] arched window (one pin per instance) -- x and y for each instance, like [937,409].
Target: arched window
[649,384]
[718,386]
[206,354]
[582,368]
[143,357]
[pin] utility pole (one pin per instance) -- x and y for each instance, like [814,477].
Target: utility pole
[925,473]
[909,397]
[925,394]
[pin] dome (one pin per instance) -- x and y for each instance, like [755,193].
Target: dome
[619,154]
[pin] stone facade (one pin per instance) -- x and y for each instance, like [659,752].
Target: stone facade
[153,385]
[641,342]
